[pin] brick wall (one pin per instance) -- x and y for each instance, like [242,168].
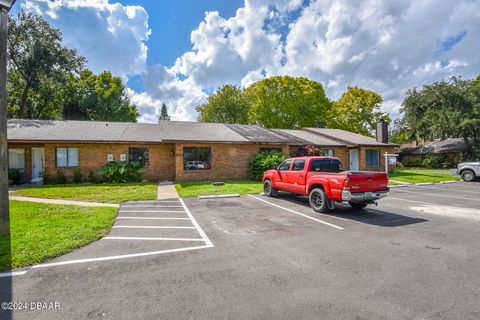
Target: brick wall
[228,161]
[93,156]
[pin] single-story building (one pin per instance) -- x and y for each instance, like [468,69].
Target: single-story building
[450,149]
[174,150]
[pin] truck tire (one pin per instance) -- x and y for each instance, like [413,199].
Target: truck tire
[468,175]
[357,205]
[318,200]
[269,190]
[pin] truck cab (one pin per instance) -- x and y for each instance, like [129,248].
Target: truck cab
[325,182]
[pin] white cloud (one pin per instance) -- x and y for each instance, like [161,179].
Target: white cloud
[111,36]
[385,46]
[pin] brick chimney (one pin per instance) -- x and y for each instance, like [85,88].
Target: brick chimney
[382,131]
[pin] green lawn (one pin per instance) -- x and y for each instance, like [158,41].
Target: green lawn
[106,193]
[417,175]
[201,188]
[43,231]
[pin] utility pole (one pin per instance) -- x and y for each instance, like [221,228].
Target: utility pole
[5,6]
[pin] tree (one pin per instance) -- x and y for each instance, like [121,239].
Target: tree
[164,114]
[98,97]
[38,64]
[288,102]
[226,105]
[358,110]
[443,109]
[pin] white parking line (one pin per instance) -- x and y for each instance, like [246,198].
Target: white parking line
[432,194]
[449,189]
[125,256]
[151,218]
[153,227]
[155,239]
[195,223]
[12,273]
[301,214]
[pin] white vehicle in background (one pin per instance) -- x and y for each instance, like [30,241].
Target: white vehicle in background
[200,165]
[469,171]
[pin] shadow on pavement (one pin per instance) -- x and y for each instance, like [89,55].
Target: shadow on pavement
[5,282]
[369,215]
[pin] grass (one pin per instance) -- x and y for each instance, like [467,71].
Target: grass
[105,193]
[202,188]
[43,231]
[418,175]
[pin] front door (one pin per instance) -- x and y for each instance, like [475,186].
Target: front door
[353,159]
[38,162]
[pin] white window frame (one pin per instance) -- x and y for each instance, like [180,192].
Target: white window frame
[71,161]
[19,151]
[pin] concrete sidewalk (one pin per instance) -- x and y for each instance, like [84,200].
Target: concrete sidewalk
[166,190]
[67,202]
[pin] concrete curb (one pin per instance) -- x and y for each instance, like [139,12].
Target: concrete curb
[424,183]
[220,196]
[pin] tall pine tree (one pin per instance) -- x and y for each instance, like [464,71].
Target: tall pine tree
[164,114]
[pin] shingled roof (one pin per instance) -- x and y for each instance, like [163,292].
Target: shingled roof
[20,130]
[347,137]
[451,145]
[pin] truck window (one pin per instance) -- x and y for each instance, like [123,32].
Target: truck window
[326,166]
[285,166]
[298,165]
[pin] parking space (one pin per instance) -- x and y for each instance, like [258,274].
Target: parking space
[142,228]
[414,256]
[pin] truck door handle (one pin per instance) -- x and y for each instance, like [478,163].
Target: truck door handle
[301,175]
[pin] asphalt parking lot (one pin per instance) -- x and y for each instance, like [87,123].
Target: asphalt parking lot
[414,256]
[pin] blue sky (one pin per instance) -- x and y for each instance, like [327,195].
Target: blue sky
[178,52]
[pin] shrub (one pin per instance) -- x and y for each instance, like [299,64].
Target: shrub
[413,163]
[122,171]
[45,176]
[432,161]
[77,175]
[263,161]
[94,177]
[61,178]
[14,175]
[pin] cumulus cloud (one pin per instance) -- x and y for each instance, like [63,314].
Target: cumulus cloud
[385,46]
[110,35]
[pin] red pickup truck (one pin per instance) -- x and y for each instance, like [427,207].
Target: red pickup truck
[323,180]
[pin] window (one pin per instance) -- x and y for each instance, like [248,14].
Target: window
[298,165]
[372,157]
[327,152]
[195,158]
[110,157]
[326,166]
[273,150]
[285,166]
[16,159]
[138,154]
[67,157]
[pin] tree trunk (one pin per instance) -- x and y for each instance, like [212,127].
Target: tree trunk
[23,103]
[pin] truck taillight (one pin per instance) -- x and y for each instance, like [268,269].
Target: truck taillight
[346,183]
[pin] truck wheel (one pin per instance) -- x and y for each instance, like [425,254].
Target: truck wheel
[468,175]
[318,200]
[269,190]
[357,205]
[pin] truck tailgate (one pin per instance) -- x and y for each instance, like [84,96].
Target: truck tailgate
[368,181]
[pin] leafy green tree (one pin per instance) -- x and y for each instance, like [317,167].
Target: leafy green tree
[98,97]
[288,102]
[38,64]
[226,105]
[164,113]
[443,109]
[358,110]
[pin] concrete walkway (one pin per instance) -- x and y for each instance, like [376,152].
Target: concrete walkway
[166,190]
[61,201]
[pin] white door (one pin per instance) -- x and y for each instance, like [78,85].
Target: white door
[353,159]
[38,156]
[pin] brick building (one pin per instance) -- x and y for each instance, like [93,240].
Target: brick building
[174,150]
